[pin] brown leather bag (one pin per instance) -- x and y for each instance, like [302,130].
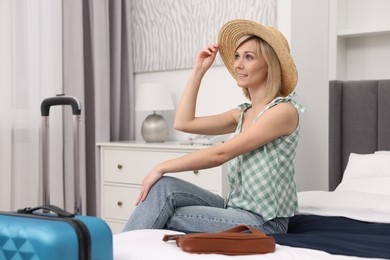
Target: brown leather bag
[229,242]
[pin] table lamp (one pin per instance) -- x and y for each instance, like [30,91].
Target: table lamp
[154,97]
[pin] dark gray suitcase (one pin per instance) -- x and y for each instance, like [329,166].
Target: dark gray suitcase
[47,232]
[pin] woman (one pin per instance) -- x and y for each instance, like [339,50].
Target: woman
[260,154]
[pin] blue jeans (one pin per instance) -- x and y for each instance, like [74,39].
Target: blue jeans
[179,205]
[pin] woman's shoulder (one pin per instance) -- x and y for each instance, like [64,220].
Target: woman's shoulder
[287,103]
[283,108]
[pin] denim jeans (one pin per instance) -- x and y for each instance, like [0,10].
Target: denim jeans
[179,205]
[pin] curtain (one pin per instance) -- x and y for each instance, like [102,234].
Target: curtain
[97,69]
[30,70]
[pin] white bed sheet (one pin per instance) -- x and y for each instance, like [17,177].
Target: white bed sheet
[148,244]
[361,206]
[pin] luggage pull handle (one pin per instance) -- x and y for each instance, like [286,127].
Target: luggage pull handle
[61,99]
[47,208]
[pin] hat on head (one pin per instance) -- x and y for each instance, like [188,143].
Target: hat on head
[232,31]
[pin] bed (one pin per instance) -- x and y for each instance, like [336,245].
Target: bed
[352,219]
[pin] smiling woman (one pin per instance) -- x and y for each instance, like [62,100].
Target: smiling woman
[260,153]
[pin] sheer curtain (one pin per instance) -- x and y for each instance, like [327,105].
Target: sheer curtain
[30,70]
[77,47]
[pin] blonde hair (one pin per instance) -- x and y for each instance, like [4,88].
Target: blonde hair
[274,75]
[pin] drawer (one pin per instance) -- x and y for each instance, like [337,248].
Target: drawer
[119,201]
[209,179]
[124,166]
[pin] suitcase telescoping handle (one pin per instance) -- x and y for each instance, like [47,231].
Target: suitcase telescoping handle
[60,100]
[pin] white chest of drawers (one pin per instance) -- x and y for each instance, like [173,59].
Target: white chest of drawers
[124,165]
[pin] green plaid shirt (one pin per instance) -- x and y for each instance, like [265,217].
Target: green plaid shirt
[262,181]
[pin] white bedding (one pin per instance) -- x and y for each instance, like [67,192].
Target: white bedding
[351,204]
[148,244]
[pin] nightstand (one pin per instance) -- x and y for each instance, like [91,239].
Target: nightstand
[124,165]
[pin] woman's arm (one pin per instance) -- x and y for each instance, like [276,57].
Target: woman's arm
[281,120]
[185,119]
[278,121]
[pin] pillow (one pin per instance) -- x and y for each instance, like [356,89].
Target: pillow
[383,152]
[367,173]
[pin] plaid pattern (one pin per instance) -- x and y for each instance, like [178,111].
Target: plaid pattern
[262,181]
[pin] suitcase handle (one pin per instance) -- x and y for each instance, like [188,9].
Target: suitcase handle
[60,100]
[60,212]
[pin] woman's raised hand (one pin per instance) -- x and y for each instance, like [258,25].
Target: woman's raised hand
[206,57]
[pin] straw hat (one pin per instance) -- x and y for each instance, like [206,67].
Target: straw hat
[232,31]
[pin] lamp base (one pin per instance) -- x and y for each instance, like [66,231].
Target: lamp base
[154,129]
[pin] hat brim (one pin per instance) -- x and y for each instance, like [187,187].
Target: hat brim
[232,31]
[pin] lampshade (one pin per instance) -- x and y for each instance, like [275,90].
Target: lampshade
[153,97]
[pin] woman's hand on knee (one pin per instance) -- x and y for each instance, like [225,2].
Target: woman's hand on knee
[147,183]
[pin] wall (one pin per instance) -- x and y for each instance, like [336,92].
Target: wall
[309,44]
[305,24]
[359,39]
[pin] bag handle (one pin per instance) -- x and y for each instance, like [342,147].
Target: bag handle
[60,212]
[244,227]
[237,229]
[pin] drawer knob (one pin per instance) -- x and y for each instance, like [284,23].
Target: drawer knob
[119,166]
[119,203]
[195,171]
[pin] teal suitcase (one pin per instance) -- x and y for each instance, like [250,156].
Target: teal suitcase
[53,234]
[48,232]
